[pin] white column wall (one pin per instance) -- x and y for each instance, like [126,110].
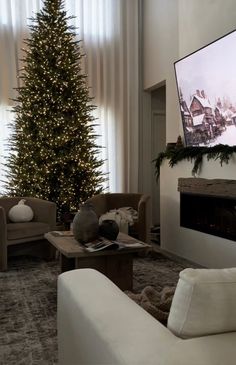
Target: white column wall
[160,47]
[203,21]
[173,29]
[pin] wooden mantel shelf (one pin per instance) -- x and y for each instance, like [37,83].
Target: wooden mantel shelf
[215,187]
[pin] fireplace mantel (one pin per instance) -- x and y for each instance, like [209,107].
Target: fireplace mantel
[213,187]
[203,248]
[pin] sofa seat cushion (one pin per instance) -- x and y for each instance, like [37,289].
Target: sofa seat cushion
[204,303]
[16,231]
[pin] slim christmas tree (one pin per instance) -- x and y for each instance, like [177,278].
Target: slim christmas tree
[53,150]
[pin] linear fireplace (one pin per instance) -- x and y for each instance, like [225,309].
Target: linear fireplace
[209,206]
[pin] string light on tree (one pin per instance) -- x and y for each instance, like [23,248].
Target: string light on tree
[54,154]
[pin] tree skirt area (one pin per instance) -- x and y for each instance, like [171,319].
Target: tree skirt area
[28,301]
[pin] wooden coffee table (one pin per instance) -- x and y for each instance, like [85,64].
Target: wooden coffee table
[117,265]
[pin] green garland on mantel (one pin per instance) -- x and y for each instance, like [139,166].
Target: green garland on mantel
[174,155]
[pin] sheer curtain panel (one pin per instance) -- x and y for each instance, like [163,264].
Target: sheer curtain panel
[109,30]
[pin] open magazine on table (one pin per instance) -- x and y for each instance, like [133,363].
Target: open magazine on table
[104,244]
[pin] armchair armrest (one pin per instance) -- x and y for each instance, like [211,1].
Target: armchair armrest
[3,239]
[144,217]
[44,211]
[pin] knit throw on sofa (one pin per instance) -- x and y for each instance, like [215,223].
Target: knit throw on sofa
[154,302]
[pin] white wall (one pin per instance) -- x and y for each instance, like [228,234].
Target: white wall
[160,28]
[203,21]
[173,29]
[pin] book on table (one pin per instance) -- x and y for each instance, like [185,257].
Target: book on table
[102,243]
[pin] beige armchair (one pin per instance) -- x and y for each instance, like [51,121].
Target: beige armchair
[14,235]
[102,203]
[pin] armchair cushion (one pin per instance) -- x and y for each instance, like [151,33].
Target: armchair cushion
[204,303]
[16,231]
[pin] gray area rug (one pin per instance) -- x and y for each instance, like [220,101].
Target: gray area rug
[28,300]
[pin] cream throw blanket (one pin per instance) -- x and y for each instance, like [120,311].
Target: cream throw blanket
[124,217]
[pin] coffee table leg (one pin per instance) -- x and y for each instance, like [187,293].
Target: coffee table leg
[66,263]
[118,268]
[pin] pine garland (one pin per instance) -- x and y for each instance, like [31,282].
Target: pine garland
[219,152]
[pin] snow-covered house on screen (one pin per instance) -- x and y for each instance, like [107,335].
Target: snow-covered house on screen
[201,109]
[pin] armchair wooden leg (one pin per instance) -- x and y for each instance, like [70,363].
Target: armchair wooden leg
[3,260]
[48,251]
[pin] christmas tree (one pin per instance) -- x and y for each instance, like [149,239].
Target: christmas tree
[53,150]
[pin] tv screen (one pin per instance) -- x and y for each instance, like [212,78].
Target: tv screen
[206,81]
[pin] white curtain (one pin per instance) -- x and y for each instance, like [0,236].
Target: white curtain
[109,30]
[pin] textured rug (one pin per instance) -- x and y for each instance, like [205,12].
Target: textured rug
[28,304]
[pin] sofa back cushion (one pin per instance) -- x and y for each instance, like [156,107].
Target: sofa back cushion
[204,303]
[99,203]
[119,200]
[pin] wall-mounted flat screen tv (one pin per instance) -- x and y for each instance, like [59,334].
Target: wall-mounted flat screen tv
[206,81]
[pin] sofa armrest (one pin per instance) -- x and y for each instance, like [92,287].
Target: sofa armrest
[144,217]
[44,211]
[99,324]
[3,239]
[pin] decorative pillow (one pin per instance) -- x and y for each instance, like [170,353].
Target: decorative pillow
[204,303]
[20,212]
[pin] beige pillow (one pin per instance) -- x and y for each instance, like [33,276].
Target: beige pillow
[204,303]
[21,212]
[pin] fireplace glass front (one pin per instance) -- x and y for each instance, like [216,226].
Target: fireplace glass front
[209,214]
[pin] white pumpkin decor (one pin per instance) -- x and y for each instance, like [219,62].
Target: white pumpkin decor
[20,212]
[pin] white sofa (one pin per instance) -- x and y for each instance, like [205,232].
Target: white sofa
[99,324]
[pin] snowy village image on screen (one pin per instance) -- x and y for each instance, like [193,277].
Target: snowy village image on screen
[206,82]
